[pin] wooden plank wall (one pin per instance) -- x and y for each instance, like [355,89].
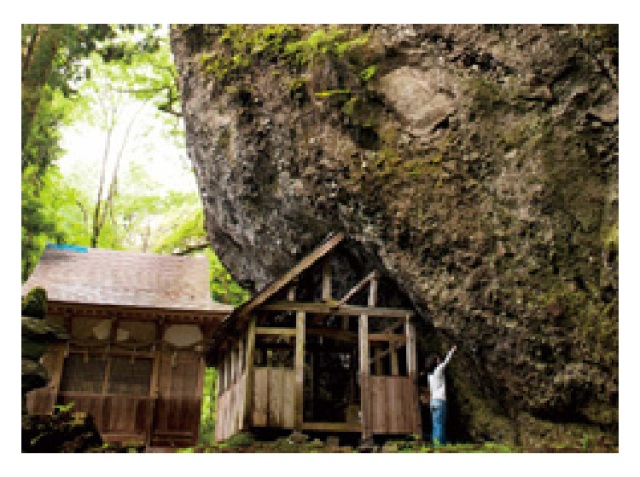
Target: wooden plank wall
[393,406]
[115,416]
[177,415]
[229,417]
[273,397]
[41,401]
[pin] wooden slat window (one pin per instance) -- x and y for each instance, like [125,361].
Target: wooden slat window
[130,376]
[83,374]
[99,374]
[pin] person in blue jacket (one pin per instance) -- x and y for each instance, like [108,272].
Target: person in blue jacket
[434,369]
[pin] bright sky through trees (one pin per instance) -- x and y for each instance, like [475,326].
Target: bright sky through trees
[163,158]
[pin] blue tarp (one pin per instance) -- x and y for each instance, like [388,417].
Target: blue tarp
[68,248]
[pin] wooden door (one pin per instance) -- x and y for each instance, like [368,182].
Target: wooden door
[177,416]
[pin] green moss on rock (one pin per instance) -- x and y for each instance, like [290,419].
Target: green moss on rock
[34,303]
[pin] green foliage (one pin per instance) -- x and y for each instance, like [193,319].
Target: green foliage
[331,92]
[324,41]
[243,46]
[368,73]
[49,214]
[52,67]
[486,95]
[242,439]
[34,303]
[223,287]
[208,409]
[183,232]
[54,64]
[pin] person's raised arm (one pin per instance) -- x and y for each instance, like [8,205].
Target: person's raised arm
[446,360]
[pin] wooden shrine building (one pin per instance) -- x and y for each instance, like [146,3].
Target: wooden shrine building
[139,326]
[319,349]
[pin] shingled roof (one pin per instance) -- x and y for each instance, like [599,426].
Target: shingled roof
[111,277]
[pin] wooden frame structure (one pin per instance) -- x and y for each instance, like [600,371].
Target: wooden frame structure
[138,370]
[320,365]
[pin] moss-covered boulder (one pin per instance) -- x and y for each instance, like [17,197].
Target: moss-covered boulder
[34,303]
[476,165]
[63,431]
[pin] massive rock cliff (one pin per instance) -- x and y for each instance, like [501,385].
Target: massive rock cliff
[476,165]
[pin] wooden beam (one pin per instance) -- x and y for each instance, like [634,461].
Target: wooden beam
[250,350]
[387,337]
[113,330]
[56,376]
[365,397]
[411,348]
[334,333]
[260,330]
[365,378]
[302,265]
[343,310]
[326,280]
[200,383]
[139,313]
[357,287]
[299,370]
[393,347]
[107,373]
[393,327]
[332,426]
[412,372]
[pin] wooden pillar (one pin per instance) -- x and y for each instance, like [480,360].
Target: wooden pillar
[219,371]
[377,360]
[411,348]
[233,356]
[291,293]
[58,369]
[365,391]
[412,372]
[393,353]
[326,280]
[200,383]
[154,387]
[249,352]
[298,415]
[363,343]
[241,356]
[227,369]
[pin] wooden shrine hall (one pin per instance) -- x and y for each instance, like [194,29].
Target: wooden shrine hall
[139,327]
[300,356]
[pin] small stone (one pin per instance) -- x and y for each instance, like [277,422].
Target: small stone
[316,443]
[333,441]
[391,447]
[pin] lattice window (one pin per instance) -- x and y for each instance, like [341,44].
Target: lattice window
[86,374]
[83,373]
[130,376]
